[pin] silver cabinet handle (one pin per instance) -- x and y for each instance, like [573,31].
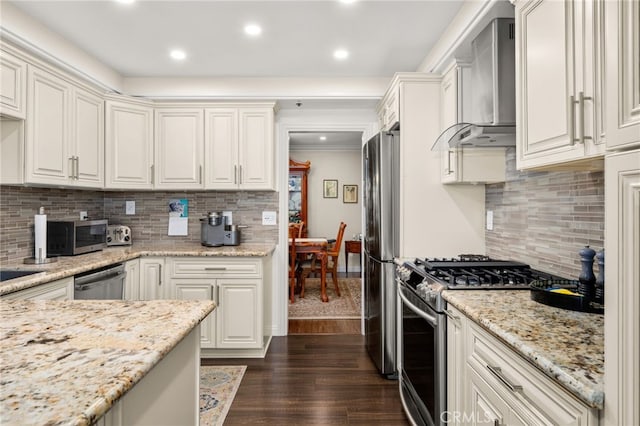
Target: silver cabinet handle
[581,99]
[153,177]
[71,167]
[572,120]
[77,167]
[216,268]
[450,315]
[235,174]
[159,275]
[497,371]
[240,173]
[200,174]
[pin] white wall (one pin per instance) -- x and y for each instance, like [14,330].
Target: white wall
[325,214]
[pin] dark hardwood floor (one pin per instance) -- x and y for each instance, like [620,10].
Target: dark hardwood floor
[314,380]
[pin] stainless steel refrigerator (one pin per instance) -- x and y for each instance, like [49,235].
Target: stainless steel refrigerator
[380,197]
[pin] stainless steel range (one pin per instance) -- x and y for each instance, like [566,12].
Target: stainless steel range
[423,326]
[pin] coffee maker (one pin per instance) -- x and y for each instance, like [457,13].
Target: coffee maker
[214,231]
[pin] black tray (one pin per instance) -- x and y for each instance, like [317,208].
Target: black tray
[541,294]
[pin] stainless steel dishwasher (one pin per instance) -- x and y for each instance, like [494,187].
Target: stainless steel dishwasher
[100,284]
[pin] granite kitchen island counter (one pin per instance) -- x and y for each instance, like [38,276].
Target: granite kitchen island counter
[68,362]
[67,266]
[567,346]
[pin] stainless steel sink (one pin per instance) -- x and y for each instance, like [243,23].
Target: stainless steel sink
[9,274]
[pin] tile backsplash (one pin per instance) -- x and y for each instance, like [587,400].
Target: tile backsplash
[18,205]
[545,218]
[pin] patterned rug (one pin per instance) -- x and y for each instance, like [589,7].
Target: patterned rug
[311,307]
[218,387]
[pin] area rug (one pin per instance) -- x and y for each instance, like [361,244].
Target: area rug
[311,307]
[218,387]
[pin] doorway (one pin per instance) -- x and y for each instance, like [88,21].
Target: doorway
[365,124]
[326,195]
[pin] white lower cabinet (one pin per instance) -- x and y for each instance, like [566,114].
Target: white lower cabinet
[132,281]
[238,286]
[239,314]
[152,282]
[493,385]
[56,290]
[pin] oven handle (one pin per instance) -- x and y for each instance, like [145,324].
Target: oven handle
[431,319]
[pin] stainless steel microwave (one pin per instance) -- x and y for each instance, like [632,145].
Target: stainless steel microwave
[69,238]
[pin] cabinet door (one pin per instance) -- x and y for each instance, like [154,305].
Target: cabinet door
[256,148]
[56,290]
[221,148]
[48,159]
[132,283]
[449,108]
[486,406]
[456,362]
[13,88]
[623,68]
[88,139]
[129,142]
[239,314]
[622,292]
[179,148]
[199,289]
[152,280]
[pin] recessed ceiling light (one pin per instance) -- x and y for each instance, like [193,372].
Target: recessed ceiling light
[341,54]
[347,1]
[253,30]
[125,1]
[323,138]
[178,55]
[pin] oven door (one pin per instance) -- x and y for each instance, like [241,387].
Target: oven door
[423,365]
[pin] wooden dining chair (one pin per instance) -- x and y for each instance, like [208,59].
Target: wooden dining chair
[296,228]
[311,266]
[293,268]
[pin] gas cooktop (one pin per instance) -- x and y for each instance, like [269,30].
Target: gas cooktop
[467,272]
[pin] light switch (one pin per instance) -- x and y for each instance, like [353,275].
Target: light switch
[489,220]
[269,218]
[130,207]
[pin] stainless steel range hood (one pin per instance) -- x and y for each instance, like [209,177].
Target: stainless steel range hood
[493,84]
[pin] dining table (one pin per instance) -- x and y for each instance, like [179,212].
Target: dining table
[318,248]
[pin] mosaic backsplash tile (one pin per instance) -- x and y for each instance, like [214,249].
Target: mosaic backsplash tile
[18,205]
[545,218]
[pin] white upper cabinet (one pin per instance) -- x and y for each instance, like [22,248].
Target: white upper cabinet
[48,157]
[239,148]
[129,142]
[87,139]
[559,82]
[622,76]
[179,148]
[13,89]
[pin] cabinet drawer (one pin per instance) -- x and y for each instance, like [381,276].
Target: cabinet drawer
[531,394]
[216,268]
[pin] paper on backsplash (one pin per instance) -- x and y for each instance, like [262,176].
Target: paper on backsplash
[178,217]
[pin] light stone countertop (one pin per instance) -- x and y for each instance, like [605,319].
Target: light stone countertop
[567,346]
[71,265]
[67,362]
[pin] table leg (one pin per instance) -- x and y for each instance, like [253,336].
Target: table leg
[346,259]
[323,276]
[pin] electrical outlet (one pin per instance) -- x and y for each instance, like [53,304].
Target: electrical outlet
[489,220]
[269,218]
[130,207]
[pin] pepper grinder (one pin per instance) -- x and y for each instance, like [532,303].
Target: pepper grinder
[586,280]
[599,286]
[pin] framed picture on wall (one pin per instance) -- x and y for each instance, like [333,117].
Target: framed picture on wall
[330,188]
[350,193]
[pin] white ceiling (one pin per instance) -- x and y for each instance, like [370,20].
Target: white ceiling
[298,39]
